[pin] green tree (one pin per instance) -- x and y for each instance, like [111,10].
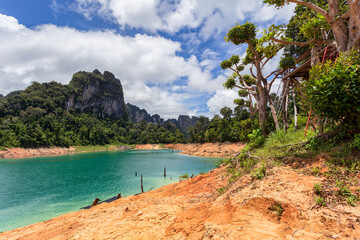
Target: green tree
[257,56]
[342,17]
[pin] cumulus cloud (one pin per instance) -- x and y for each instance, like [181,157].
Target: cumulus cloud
[49,52]
[222,98]
[211,16]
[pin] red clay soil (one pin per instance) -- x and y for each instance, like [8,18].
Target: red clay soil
[34,152]
[201,149]
[193,209]
[208,149]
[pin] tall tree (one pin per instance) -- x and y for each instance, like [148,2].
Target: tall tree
[257,56]
[342,16]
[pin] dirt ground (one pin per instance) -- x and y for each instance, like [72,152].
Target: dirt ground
[200,149]
[34,152]
[194,209]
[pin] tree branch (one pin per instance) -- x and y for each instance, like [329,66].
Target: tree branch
[266,61]
[272,73]
[302,44]
[316,8]
[251,72]
[293,43]
[344,16]
[244,88]
[272,81]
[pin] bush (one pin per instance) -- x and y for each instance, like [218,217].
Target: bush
[356,142]
[318,189]
[259,173]
[320,201]
[277,208]
[184,177]
[334,88]
[256,138]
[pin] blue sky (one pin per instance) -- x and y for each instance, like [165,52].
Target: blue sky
[165,53]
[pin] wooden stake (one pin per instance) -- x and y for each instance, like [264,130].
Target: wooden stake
[164,171]
[142,187]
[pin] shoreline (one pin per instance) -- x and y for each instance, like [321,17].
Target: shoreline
[216,150]
[195,209]
[17,152]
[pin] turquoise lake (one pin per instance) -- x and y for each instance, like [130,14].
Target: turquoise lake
[37,189]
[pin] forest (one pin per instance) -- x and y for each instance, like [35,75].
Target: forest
[319,74]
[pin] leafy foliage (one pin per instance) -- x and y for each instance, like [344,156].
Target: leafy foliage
[334,88]
[240,34]
[38,117]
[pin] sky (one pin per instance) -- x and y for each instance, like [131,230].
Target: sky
[166,53]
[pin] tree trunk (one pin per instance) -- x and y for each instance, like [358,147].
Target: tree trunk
[273,113]
[339,30]
[354,26]
[262,103]
[285,121]
[295,110]
[320,125]
[315,58]
[251,108]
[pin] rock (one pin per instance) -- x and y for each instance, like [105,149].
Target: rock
[97,93]
[137,115]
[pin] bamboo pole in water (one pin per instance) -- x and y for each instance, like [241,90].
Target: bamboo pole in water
[164,171]
[142,187]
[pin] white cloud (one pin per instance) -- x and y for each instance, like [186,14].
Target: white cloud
[48,53]
[212,16]
[222,98]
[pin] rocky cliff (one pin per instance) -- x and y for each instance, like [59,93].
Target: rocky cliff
[98,93]
[184,122]
[137,115]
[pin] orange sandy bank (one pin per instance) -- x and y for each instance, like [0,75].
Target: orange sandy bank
[193,209]
[34,152]
[201,149]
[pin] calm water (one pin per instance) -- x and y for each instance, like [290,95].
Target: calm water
[37,189]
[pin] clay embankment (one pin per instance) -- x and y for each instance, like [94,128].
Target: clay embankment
[34,152]
[194,149]
[193,209]
[200,149]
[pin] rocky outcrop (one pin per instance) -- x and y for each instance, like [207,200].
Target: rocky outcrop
[101,94]
[137,115]
[183,123]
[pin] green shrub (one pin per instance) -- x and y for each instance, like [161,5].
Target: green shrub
[315,171]
[343,189]
[256,138]
[184,177]
[277,208]
[334,88]
[221,190]
[259,173]
[318,189]
[314,144]
[356,142]
[351,200]
[320,201]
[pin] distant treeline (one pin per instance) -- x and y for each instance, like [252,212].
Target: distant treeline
[38,117]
